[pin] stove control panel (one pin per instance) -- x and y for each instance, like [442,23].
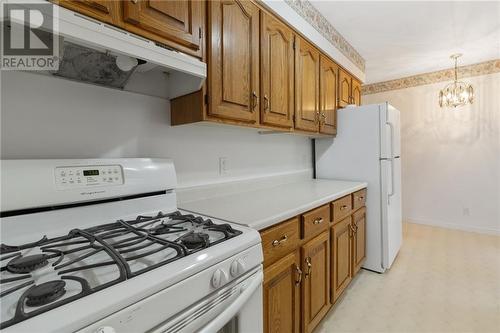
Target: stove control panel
[87,176]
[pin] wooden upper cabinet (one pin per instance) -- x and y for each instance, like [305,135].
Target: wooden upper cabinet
[281,293]
[316,281]
[356,92]
[344,88]
[359,239]
[175,21]
[103,10]
[233,65]
[341,242]
[277,61]
[329,74]
[306,86]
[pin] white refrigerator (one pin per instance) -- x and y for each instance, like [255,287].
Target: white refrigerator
[367,148]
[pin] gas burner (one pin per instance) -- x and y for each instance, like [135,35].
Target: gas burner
[22,265]
[195,240]
[45,293]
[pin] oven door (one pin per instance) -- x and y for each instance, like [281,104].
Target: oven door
[234,308]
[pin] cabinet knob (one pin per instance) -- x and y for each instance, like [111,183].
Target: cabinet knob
[134,1]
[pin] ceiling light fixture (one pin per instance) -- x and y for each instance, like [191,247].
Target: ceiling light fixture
[456,93]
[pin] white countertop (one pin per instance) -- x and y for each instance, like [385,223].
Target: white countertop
[264,207]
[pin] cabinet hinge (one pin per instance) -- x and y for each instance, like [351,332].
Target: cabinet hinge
[206,99]
[200,33]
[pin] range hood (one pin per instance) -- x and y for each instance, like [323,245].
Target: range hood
[97,53]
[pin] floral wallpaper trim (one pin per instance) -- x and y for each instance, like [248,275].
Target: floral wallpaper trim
[483,68]
[309,13]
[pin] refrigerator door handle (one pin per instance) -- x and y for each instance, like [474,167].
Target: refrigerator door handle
[391,126]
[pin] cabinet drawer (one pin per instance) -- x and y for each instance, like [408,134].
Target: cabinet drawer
[341,208]
[315,221]
[359,199]
[279,240]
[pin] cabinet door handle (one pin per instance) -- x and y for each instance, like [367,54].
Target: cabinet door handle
[281,241]
[316,117]
[134,1]
[299,275]
[352,229]
[266,103]
[323,116]
[254,100]
[319,220]
[309,266]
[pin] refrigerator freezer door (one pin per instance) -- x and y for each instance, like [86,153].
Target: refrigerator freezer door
[392,228]
[390,141]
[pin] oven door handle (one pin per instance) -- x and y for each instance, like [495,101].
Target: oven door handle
[224,317]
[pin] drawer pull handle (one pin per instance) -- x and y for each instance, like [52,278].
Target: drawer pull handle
[309,266]
[319,220]
[281,241]
[299,278]
[343,207]
[361,198]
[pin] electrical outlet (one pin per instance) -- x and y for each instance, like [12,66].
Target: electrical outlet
[222,166]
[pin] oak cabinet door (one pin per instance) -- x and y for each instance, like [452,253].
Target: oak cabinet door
[103,10]
[282,295]
[179,21]
[329,73]
[356,92]
[344,88]
[359,240]
[341,243]
[315,258]
[234,60]
[306,86]
[277,61]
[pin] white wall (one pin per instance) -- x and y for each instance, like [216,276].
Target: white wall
[450,158]
[45,117]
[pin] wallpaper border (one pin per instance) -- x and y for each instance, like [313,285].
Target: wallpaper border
[483,68]
[313,16]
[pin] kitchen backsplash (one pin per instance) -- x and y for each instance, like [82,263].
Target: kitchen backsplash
[45,117]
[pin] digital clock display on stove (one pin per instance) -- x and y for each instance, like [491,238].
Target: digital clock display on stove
[91,172]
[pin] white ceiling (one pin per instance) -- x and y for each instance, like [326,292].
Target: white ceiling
[399,39]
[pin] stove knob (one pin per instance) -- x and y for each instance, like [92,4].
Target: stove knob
[238,267]
[105,329]
[219,278]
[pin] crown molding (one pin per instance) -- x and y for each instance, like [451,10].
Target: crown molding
[483,68]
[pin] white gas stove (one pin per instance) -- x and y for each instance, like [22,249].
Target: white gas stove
[99,246]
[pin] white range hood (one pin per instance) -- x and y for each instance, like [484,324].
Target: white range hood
[161,72]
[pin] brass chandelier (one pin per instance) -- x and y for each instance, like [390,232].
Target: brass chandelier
[456,93]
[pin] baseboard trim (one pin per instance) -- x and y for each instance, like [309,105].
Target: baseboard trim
[480,230]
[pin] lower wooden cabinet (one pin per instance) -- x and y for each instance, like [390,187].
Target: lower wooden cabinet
[359,239]
[341,252]
[281,296]
[315,256]
[306,272]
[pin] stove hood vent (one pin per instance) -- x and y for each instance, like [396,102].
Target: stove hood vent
[97,53]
